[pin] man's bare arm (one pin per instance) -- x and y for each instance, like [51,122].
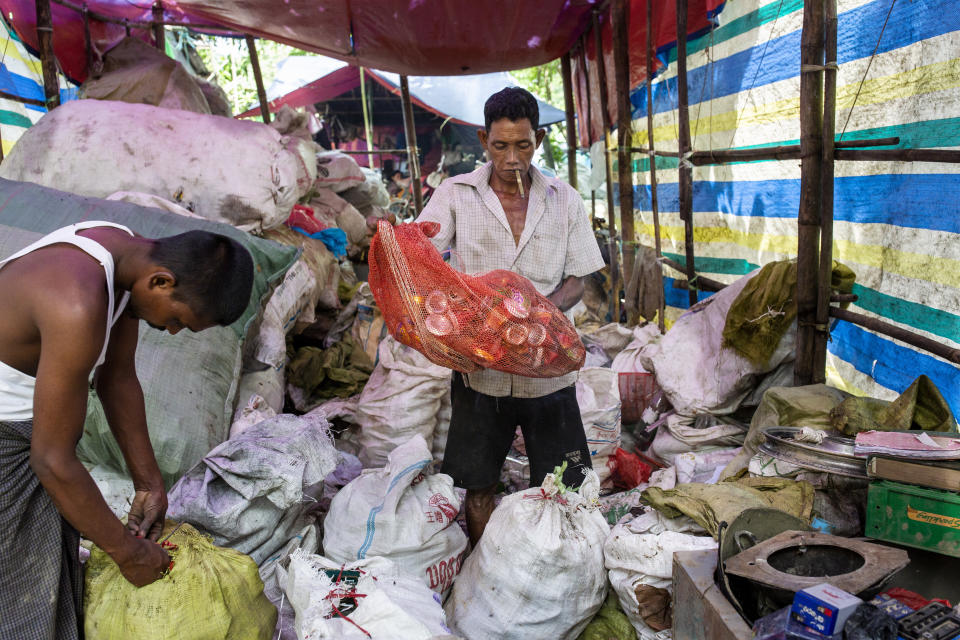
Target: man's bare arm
[568,293]
[71,337]
[122,398]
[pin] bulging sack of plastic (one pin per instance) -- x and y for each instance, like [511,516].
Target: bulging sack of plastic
[239,172]
[401,514]
[248,492]
[639,556]
[496,320]
[211,593]
[598,394]
[538,569]
[337,171]
[369,599]
[402,398]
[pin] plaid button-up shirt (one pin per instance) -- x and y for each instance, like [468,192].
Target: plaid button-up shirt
[557,242]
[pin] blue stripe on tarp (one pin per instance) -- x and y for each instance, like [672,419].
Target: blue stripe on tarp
[891,365]
[678,297]
[19,85]
[916,201]
[910,22]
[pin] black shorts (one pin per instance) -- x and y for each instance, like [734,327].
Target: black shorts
[482,428]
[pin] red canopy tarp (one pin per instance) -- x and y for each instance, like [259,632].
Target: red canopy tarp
[411,37]
[586,82]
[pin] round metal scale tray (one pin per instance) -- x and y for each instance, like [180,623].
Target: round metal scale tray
[834,455]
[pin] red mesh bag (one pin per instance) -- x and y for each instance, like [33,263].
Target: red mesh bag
[496,320]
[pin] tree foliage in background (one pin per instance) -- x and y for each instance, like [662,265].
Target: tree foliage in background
[229,62]
[546,83]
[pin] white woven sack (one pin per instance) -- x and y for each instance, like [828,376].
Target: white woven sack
[248,493]
[235,171]
[337,171]
[401,514]
[639,551]
[598,394]
[538,569]
[393,605]
[401,399]
[294,299]
[696,372]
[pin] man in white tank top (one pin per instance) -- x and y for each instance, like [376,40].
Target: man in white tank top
[67,321]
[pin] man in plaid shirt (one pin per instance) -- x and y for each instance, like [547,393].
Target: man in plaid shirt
[540,231]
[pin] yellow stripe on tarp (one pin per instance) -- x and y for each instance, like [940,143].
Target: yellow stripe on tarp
[911,265]
[915,82]
[11,49]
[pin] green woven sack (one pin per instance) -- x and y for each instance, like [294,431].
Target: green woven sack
[212,593]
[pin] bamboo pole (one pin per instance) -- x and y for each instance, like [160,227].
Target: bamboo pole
[567,73]
[811,180]
[366,116]
[913,339]
[413,154]
[615,278]
[654,208]
[21,99]
[826,190]
[159,36]
[258,78]
[88,42]
[686,171]
[619,16]
[791,152]
[899,155]
[51,84]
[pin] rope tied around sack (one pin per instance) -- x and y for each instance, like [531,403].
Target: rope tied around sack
[342,593]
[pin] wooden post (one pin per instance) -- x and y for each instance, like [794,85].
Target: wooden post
[826,192]
[159,36]
[811,182]
[567,74]
[88,44]
[615,278]
[413,154]
[258,78]
[619,16]
[686,171]
[51,84]
[653,162]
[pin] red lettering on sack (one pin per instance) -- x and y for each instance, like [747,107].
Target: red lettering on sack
[440,501]
[432,573]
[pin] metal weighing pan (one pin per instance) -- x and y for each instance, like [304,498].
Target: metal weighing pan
[834,455]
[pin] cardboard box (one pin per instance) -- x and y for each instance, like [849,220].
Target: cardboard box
[823,608]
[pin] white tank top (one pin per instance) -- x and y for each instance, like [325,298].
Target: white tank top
[16,387]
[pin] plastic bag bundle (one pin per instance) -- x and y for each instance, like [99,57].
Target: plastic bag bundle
[495,320]
[210,594]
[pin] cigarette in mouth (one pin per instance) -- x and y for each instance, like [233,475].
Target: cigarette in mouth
[519,182]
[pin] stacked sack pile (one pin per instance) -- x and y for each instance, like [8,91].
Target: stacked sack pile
[304,440]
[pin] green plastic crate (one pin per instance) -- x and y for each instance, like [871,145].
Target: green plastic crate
[914,516]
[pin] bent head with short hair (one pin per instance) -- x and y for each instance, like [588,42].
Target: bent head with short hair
[514,104]
[213,273]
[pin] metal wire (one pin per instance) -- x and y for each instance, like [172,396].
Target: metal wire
[867,70]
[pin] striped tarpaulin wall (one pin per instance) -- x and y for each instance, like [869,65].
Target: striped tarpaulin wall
[897,224]
[21,75]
